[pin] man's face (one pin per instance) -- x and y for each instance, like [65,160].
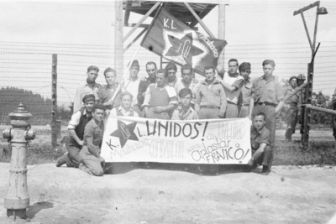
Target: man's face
[151,70]
[134,72]
[160,79]
[186,101]
[92,75]
[293,83]
[233,67]
[268,69]
[171,75]
[98,115]
[89,106]
[187,75]
[245,74]
[110,78]
[258,122]
[209,75]
[126,102]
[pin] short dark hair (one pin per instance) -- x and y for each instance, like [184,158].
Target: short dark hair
[184,92]
[126,93]
[162,71]
[260,114]
[245,67]
[233,60]
[268,62]
[151,62]
[207,67]
[92,67]
[99,107]
[186,66]
[109,69]
[171,65]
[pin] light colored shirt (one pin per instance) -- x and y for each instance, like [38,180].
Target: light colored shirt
[212,94]
[194,85]
[132,86]
[75,118]
[180,114]
[155,96]
[81,92]
[105,93]
[267,90]
[234,81]
[246,92]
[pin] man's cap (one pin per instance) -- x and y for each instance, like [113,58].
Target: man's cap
[135,63]
[89,97]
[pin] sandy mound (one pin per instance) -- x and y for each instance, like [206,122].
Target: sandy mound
[286,195]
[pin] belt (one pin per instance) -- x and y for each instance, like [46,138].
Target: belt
[266,104]
[210,107]
[245,104]
[229,102]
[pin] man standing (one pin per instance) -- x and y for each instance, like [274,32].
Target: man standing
[76,128]
[260,144]
[246,101]
[292,100]
[151,70]
[91,161]
[160,99]
[210,96]
[91,87]
[232,82]
[170,71]
[132,85]
[268,96]
[187,81]
[108,94]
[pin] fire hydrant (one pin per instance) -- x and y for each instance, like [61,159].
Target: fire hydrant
[17,199]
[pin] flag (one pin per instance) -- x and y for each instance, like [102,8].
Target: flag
[175,41]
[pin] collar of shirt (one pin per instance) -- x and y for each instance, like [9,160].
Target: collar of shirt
[259,132]
[268,78]
[236,74]
[95,85]
[183,113]
[208,84]
[123,111]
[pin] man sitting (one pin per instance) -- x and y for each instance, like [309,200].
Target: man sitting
[74,141]
[91,161]
[260,144]
[184,110]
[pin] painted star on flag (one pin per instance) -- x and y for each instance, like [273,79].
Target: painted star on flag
[179,48]
[125,132]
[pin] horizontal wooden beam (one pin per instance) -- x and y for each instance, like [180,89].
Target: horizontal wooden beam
[306,8]
[325,110]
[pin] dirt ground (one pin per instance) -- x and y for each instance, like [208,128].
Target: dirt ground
[289,194]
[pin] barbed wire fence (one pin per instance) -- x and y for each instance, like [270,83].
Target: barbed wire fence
[28,66]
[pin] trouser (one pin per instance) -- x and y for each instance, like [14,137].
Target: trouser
[264,158]
[208,113]
[292,118]
[71,158]
[231,110]
[269,111]
[90,163]
[244,111]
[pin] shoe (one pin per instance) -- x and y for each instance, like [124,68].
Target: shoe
[265,170]
[62,160]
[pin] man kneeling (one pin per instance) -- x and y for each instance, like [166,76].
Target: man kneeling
[91,162]
[260,143]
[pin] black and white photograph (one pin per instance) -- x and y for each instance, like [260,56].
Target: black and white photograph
[168,112]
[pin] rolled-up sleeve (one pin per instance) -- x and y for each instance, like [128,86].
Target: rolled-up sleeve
[74,121]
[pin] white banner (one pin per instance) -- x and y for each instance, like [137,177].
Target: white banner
[220,141]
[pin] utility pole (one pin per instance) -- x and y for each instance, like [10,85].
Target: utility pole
[118,38]
[54,129]
[310,75]
[221,25]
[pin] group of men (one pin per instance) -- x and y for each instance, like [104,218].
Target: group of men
[162,95]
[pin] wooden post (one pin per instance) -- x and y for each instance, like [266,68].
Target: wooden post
[118,38]
[54,130]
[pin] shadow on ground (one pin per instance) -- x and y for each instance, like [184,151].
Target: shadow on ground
[207,170]
[37,207]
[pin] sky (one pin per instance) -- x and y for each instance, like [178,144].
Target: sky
[81,33]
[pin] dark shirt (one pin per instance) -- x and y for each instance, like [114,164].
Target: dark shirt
[143,85]
[258,137]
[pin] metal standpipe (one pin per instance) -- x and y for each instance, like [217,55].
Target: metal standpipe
[17,199]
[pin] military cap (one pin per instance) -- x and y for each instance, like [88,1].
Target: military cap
[89,97]
[301,76]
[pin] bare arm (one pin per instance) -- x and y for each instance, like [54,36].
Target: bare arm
[251,107]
